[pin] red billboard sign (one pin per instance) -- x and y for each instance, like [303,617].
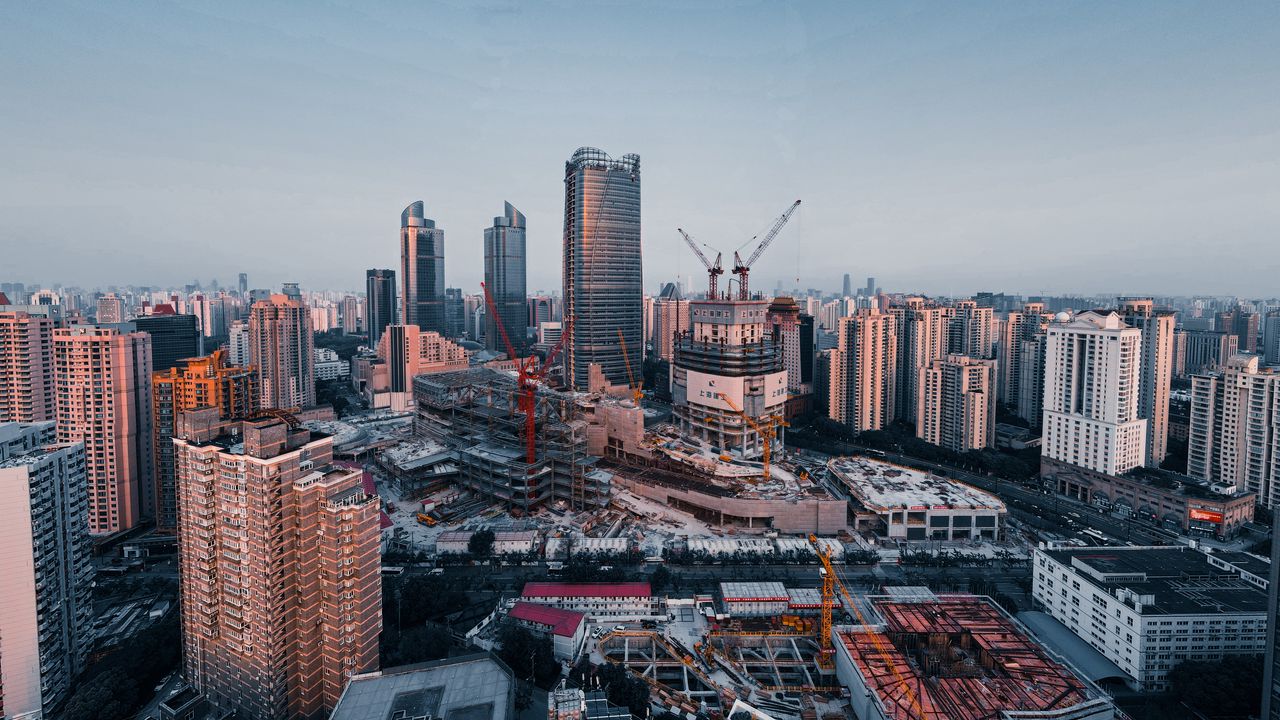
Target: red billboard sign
[1203,515]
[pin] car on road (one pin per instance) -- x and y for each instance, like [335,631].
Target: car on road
[619,628]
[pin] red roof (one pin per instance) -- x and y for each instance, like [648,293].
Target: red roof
[564,623]
[4,299]
[163,309]
[553,589]
[384,520]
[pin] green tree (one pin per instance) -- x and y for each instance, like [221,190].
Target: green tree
[1228,688]
[481,543]
[659,580]
[428,642]
[528,655]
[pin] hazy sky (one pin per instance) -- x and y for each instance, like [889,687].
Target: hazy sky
[945,147]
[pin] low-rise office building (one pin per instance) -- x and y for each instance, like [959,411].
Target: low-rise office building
[567,629]
[1149,608]
[755,599]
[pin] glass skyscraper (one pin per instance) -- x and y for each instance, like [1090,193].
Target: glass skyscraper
[422,269]
[603,286]
[380,303]
[504,276]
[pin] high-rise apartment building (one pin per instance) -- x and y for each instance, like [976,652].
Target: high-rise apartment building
[1207,350]
[727,365]
[958,404]
[206,382]
[603,283]
[1019,327]
[26,367]
[102,379]
[421,269]
[351,312]
[1091,393]
[238,344]
[784,324]
[1155,371]
[922,328]
[45,560]
[279,566]
[406,352]
[280,346]
[110,309]
[861,386]
[972,330]
[504,278]
[1242,324]
[1234,435]
[670,319]
[173,338]
[379,303]
[1031,358]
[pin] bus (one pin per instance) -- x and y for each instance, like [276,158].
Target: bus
[392,570]
[1096,536]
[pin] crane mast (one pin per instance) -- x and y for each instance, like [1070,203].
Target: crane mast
[714,270]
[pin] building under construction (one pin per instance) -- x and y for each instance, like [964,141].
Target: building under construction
[957,657]
[475,413]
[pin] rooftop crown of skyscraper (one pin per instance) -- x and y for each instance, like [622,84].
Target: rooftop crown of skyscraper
[414,216]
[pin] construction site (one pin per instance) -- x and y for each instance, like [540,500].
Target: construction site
[918,656]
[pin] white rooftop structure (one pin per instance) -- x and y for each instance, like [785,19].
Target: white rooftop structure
[883,486]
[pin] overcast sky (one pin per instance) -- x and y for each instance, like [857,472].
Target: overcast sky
[943,147]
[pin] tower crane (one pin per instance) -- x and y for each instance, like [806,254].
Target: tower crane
[830,582]
[741,268]
[767,432]
[529,374]
[714,270]
[637,392]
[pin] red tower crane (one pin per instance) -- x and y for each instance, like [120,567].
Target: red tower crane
[529,374]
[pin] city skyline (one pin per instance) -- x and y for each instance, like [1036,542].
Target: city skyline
[919,126]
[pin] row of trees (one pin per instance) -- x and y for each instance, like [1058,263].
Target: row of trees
[119,682]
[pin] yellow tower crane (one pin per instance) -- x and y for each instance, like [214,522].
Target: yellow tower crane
[637,391]
[830,582]
[767,431]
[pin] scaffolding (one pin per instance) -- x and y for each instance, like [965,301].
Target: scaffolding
[477,414]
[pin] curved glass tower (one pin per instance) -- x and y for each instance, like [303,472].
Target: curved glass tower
[504,276]
[422,269]
[603,286]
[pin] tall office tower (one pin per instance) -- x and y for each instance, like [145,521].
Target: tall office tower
[922,328]
[110,309]
[379,303]
[173,338]
[603,284]
[238,344]
[46,563]
[455,313]
[504,277]
[861,387]
[541,310]
[808,351]
[26,367]
[972,331]
[1091,393]
[1208,350]
[351,311]
[1179,353]
[1234,435]
[103,381]
[1031,356]
[279,565]
[1155,372]
[670,319]
[728,364]
[848,286]
[206,382]
[243,285]
[958,404]
[1242,324]
[871,287]
[281,347]
[1019,326]
[1270,339]
[421,270]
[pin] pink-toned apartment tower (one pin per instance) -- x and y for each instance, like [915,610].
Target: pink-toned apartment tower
[102,379]
[280,567]
[26,367]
